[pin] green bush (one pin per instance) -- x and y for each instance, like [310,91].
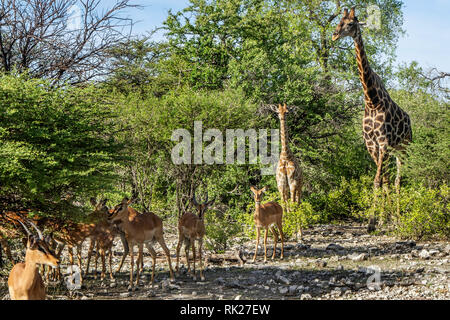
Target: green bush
[424,213]
[221,230]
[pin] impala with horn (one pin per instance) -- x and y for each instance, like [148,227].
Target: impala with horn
[25,282]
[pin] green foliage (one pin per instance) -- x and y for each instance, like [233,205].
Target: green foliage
[298,216]
[54,142]
[221,230]
[424,213]
[428,156]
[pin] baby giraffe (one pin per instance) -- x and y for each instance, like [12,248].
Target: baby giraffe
[266,215]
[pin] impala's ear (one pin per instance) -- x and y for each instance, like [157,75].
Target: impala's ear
[352,13]
[31,243]
[345,12]
[254,190]
[93,201]
[264,189]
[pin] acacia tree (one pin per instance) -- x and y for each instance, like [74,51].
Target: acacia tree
[60,40]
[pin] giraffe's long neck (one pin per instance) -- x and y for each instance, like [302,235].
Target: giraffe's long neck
[283,132]
[366,74]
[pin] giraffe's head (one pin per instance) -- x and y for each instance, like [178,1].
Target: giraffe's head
[281,110]
[348,26]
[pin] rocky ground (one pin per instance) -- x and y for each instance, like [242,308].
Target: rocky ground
[332,262]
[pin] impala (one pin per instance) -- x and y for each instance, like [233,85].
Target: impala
[191,227]
[25,282]
[265,216]
[71,234]
[102,238]
[140,229]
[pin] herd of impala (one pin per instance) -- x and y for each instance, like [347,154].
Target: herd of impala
[134,228]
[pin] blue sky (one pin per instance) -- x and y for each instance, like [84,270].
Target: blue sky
[427,25]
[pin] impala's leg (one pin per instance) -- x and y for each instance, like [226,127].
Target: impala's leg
[130,287]
[91,249]
[79,261]
[257,243]
[166,250]
[110,263]
[265,243]
[280,229]
[103,256]
[70,250]
[96,260]
[126,250]
[200,248]
[180,239]
[58,268]
[140,257]
[187,244]
[193,257]
[275,239]
[153,254]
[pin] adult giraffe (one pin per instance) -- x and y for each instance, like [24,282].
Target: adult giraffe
[385,125]
[289,175]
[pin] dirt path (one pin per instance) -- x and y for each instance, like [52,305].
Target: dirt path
[333,262]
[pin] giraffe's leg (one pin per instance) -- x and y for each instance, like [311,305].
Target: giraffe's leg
[294,186]
[376,186]
[257,242]
[283,187]
[299,197]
